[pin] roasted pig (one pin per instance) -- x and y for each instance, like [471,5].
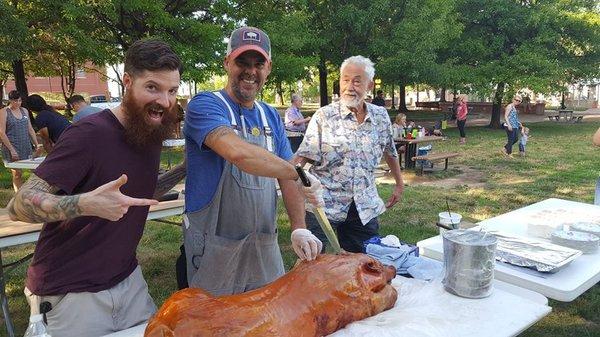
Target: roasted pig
[315,298]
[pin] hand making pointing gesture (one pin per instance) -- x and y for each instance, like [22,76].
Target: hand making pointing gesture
[108,202]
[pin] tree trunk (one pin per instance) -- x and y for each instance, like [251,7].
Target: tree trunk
[2,84]
[417,87]
[119,79]
[402,100]
[323,83]
[497,106]
[443,94]
[279,89]
[67,83]
[393,101]
[20,80]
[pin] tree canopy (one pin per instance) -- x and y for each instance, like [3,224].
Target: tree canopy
[485,46]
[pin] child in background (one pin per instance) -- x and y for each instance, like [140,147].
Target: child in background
[524,139]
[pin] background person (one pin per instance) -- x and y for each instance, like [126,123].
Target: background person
[379,100]
[513,125]
[235,148]
[345,166]
[596,138]
[461,118]
[49,123]
[524,140]
[17,135]
[78,103]
[295,122]
[91,192]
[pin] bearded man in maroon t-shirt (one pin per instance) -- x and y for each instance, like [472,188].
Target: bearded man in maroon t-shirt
[93,193]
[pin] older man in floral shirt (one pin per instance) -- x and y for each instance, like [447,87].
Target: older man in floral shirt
[345,141]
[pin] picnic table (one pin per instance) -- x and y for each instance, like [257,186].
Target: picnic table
[27,164]
[411,148]
[13,233]
[565,116]
[566,284]
[426,309]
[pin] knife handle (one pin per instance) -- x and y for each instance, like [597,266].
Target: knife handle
[302,176]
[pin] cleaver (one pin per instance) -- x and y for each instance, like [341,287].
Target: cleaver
[320,215]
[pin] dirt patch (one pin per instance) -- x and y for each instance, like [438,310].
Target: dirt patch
[467,176]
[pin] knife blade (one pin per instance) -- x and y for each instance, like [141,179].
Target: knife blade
[320,215]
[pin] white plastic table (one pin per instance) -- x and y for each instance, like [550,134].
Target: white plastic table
[27,164]
[426,309]
[13,233]
[566,284]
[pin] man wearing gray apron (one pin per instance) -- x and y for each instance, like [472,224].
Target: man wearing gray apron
[235,146]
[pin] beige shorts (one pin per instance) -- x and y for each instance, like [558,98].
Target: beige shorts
[97,314]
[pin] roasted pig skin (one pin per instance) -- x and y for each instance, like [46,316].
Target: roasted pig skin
[315,298]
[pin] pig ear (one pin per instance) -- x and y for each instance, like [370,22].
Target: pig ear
[373,267]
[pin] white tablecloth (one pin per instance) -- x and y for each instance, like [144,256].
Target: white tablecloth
[564,285]
[425,309]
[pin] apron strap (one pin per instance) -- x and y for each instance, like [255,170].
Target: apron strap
[233,120]
[267,129]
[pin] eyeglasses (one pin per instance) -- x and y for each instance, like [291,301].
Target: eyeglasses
[517,100]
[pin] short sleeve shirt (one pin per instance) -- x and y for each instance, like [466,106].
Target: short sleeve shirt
[205,113]
[90,253]
[345,155]
[85,111]
[55,122]
[293,114]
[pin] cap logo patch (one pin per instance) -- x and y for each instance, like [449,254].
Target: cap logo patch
[251,36]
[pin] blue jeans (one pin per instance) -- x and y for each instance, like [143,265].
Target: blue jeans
[512,138]
[351,232]
[461,127]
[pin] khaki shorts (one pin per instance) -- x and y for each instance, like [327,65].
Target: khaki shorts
[97,314]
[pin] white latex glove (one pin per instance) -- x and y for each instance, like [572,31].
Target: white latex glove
[314,193]
[306,245]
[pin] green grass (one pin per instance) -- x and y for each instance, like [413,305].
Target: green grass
[560,163]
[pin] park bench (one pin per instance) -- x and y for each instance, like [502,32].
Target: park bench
[433,157]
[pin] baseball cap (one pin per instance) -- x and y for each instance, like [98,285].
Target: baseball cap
[249,38]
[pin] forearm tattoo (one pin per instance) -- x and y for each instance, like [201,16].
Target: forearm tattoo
[36,202]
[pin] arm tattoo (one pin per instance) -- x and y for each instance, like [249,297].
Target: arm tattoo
[36,202]
[217,133]
[167,180]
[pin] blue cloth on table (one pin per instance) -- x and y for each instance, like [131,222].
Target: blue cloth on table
[404,262]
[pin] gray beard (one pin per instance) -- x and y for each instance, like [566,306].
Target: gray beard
[354,103]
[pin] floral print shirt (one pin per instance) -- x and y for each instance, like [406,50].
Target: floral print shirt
[345,153]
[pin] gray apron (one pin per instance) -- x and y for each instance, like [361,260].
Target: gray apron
[231,244]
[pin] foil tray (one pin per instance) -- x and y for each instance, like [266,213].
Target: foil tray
[530,253]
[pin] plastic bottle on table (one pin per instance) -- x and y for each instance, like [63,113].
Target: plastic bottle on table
[36,327]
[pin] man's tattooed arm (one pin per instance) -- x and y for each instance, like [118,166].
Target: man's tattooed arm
[36,202]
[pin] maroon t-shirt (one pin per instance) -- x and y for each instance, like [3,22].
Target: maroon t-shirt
[90,253]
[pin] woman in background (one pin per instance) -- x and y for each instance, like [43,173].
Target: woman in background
[461,118]
[512,124]
[16,134]
[49,123]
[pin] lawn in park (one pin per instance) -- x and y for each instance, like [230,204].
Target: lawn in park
[560,163]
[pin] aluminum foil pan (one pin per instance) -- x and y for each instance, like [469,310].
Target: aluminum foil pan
[585,242]
[538,255]
[586,227]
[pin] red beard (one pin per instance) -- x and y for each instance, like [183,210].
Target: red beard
[138,131]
